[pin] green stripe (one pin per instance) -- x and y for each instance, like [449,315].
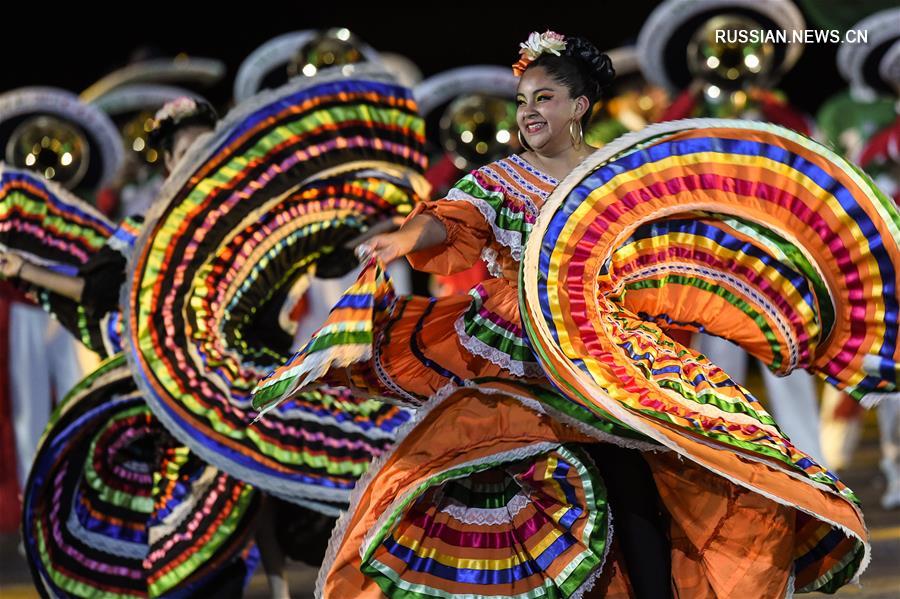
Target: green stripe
[482,496]
[566,584]
[76,587]
[135,503]
[219,540]
[715,289]
[797,259]
[88,236]
[329,340]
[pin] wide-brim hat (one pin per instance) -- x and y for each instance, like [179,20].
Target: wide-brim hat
[181,71]
[664,38]
[140,97]
[439,89]
[873,68]
[104,147]
[266,67]
[404,69]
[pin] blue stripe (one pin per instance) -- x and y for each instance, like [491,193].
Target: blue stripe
[666,149]
[822,549]
[473,576]
[360,301]
[103,225]
[322,89]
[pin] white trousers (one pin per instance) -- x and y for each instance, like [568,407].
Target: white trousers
[45,361]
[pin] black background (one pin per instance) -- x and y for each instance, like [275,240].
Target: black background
[73,47]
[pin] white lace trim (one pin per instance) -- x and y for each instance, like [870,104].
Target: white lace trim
[513,455]
[477,347]
[487,516]
[385,378]
[103,543]
[511,239]
[588,585]
[340,528]
[491,259]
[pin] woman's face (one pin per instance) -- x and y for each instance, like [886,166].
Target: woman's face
[180,143]
[545,111]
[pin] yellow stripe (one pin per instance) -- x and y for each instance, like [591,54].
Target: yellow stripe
[758,266]
[603,194]
[884,534]
[520,557]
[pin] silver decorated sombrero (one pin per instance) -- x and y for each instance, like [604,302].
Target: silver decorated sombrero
[861,63]
[663,40]
[180,70]
[44,125]
[267,66]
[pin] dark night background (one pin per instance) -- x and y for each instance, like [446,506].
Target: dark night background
[73,48]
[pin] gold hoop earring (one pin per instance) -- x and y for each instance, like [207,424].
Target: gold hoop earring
[576,133]
[522,141]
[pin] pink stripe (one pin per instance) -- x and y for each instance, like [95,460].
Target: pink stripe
[507,537]
[754,189]
[134,574]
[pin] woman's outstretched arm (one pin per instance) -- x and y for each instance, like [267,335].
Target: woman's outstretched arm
[14,265]
[419,233]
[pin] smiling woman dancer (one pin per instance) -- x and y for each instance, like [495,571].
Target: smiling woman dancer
[508,485]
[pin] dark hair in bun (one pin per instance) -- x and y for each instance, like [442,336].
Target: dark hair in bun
[582,68]
[163,135]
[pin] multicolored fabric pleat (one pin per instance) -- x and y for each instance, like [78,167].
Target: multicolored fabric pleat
[95,520]
[482,497]
[286,179]
[346,338]
[54,229]
[217,510]
[536,528]
[744,230]
[97,321]
[46,222]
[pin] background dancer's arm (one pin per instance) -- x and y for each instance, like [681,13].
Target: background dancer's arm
[14,265]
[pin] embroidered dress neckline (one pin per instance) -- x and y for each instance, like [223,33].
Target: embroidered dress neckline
[534,170]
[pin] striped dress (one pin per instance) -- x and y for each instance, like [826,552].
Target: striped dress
[487,215]
[486,492]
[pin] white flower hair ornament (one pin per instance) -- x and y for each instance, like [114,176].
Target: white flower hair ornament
[176,109]
[548,42]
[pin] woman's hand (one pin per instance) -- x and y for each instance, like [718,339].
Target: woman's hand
[10,264]
[419,233]
[387,247]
